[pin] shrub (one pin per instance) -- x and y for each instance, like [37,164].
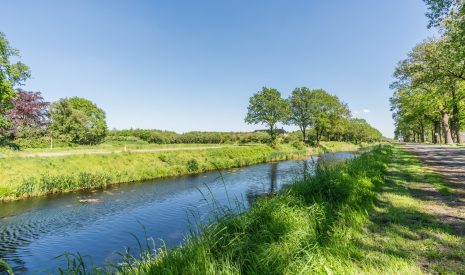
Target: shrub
[192,165]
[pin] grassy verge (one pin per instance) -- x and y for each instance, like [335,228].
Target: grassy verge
[363,216]
[338,146]
[33,176]
[104,147]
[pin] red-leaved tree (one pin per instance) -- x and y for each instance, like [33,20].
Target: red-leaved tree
[29,113]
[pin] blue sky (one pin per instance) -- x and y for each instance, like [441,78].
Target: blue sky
[192,65]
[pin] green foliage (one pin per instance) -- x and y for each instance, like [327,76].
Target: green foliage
[267,107]
[328,113]
[429,91]
[358,130]
[39,142]
[11,75]
[196,137]
[78,120]
[192,165]
[302,114]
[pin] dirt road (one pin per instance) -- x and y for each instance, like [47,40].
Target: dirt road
[450,163]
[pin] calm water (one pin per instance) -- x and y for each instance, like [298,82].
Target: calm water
[33,232]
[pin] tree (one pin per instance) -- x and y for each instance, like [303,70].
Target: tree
[28,115]
[11,75]
[439,10]
[301,109]
[430,69]
[327,112]
[78,120]
[269,108]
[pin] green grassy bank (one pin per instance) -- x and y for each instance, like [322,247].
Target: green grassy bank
[363,216]
[22,177]
[28,173]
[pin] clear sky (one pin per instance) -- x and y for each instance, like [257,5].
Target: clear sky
[192,65]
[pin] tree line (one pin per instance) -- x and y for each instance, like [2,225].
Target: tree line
[428,101]
[317,111]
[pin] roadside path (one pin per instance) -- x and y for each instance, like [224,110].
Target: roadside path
[449,162]
[106,152]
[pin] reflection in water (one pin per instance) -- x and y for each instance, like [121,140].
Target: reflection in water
[273,175]
[99,224]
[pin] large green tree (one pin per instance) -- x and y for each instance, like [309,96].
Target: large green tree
[429,69]
[11,75]
[78,120]
[328,112]
[269,108]
[301,109]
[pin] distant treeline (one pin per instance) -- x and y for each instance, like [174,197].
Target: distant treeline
[170,137]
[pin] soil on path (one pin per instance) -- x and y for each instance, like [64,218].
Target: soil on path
[449,162]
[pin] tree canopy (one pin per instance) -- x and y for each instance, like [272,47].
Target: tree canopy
[269,108]
[429,91]
[78,120]
[28,114]
[11,75]
[301,109]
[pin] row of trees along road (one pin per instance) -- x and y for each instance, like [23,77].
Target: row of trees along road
[26,115]
[428,102]
[317,110]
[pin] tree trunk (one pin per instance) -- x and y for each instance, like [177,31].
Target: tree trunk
[456,117]
[317,137]
[422,129]
[272,135]
[304,133]
[446,128]
[436,132]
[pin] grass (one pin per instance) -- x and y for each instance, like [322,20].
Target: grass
[363,216]
[104,147]
[22,177]
[337,146]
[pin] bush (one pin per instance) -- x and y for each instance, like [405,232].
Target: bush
[192,165]
[39,142]
[300,145]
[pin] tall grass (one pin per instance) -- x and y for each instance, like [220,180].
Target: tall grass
[33,176]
